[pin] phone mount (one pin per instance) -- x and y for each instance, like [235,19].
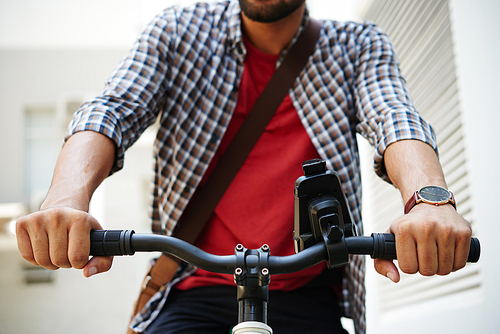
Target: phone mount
[321,212]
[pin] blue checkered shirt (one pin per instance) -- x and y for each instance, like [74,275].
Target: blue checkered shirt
[186,67]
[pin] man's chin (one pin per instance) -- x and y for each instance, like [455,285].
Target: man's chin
[269,11]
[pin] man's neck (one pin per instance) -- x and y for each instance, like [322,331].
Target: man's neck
[273,37]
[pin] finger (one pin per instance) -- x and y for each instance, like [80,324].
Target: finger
[40,246]
[406,248]
[388,269]
[58,245]
[24,242]
[446,253]
[79,239]
[35,228]
[96,265]
[462,248]
[33,240]
[427,253]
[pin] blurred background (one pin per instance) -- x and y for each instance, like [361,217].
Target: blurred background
[56,53]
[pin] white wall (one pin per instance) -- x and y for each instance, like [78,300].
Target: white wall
[74,24]
[50,50]
[476,29]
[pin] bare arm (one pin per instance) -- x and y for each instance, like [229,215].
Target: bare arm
[57,236]
[429,239]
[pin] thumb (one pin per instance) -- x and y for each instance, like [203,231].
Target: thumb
[388,269]
[96,265]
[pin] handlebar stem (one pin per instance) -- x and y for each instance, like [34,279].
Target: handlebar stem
[252,278]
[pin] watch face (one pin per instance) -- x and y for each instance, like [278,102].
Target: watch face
[434,194]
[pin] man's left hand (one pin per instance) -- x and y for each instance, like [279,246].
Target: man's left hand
[430,240]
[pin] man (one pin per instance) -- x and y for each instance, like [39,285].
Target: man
[200,69]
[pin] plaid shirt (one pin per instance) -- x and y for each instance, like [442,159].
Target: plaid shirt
[186,68]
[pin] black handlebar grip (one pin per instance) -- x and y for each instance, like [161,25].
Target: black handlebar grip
[111,242]
[475,250]
[384,247]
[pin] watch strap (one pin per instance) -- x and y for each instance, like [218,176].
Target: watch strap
[411,202]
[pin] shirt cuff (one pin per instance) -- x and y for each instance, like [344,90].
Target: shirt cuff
[103,122]
[396,126]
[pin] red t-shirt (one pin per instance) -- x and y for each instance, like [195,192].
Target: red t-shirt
[258,206]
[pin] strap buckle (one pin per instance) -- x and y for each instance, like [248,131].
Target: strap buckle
[145,282]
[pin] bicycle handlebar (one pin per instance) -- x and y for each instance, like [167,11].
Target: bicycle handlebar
[127,242]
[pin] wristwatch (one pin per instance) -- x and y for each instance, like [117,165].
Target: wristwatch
[432,195]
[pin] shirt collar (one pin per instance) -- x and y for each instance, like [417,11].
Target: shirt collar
[305,19]
[234,27]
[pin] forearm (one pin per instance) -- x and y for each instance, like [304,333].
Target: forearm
[84,162]
[411,165]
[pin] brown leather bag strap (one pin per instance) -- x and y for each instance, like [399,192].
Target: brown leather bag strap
[248,134]
[161,272]
[203,205]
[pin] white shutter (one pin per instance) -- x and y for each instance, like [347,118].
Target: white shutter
[422,35]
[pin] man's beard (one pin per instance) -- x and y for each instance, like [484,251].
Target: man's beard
[267,13]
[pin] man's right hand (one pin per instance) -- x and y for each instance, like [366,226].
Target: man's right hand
[60,238]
